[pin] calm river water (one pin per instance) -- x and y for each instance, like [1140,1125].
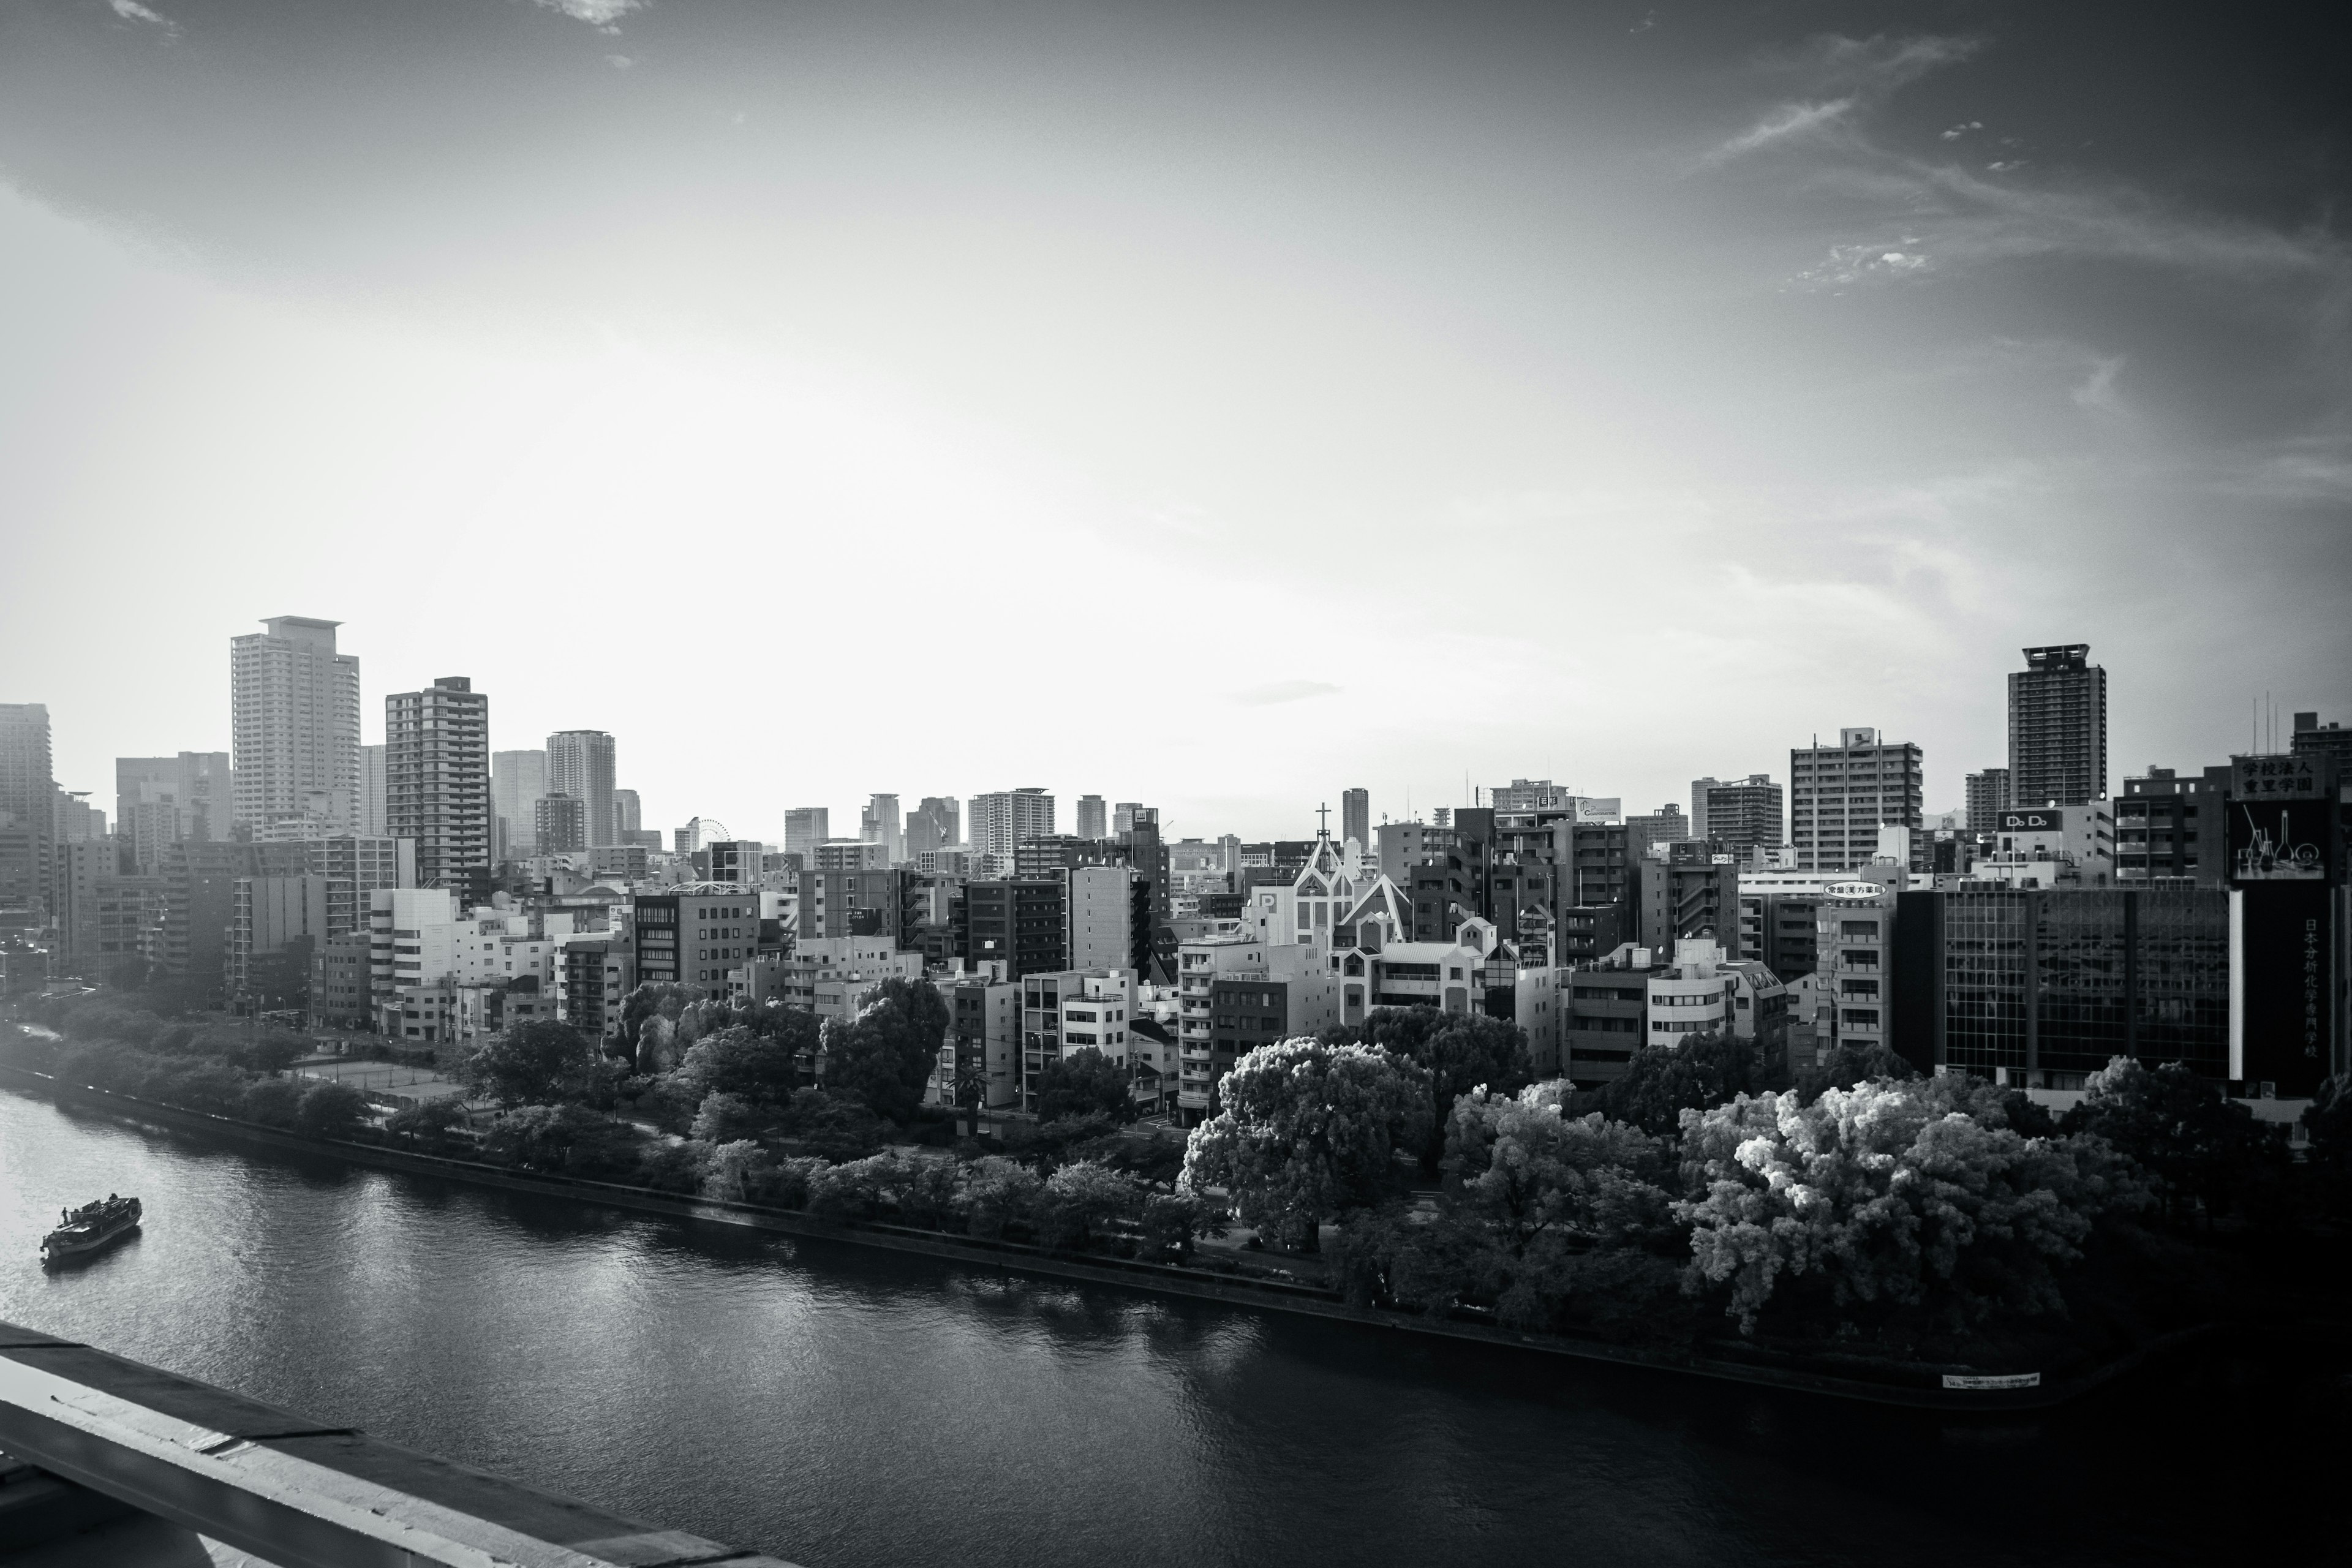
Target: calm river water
[837,1405]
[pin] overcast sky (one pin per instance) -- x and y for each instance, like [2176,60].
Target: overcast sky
[1216,406]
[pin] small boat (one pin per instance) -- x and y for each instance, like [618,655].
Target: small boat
[91,1229]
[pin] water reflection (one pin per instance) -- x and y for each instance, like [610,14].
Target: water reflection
[838,1405]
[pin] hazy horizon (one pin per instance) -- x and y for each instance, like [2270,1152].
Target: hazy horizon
[1211,405]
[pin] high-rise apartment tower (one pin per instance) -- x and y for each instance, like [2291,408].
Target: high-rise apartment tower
[1839,795]
[294,721]
[437,783]
[579,764]
[2058,728]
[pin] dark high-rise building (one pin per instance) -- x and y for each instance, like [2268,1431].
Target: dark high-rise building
[579,764]
[1021,921]
[1356,817]
[937,824]
[1737,813]
[1094,817]
[559,823]
[437,783]
[2058,728]
[1690,893]
[1989,796]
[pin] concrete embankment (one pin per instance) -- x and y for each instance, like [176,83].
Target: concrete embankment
[1887,1383]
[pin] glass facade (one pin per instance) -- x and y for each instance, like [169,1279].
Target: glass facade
[2060,981]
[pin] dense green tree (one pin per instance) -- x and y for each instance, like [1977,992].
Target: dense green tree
[836,1128]
[1460,1052]
[758,1062]
[1084,1083]
[2195,1145]
[997,1193]
[1425,1260]
[1307,1131]
[272,1101]
[539,1063]
[331,1109]
[1663,1081]
[568,1139]
[730,1118]
[1529,1171]
[1168,1223]
[889,1051]
[1893,1195]
[1083,1202]
[428,1119]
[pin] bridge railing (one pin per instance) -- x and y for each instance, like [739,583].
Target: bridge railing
[293,1492]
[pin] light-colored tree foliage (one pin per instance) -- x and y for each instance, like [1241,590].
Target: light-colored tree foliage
[1529,1171]
[1309,1130]
[1905,1194]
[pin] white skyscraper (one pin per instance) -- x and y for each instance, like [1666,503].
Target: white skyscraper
[1009,817]
[579,764]
[294,721]
[374,817]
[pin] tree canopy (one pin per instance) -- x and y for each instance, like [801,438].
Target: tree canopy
[1084,1081]
[759,1062]
[889,1051]
[1531,1171]
[1699,1072]
[538,1063]
[1894,1193]
[1308,1130]
[1459,1051]
[2192,1140]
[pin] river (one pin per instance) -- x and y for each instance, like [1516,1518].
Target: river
[838,1405]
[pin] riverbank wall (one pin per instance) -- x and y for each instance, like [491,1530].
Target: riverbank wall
[1891,1384]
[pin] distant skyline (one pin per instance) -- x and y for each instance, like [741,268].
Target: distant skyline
[1295,397]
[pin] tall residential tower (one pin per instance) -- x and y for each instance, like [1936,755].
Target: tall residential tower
[294,721]
[437,783]
[580,764]
[2058,728]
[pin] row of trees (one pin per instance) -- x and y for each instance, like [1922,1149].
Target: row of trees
[1862,1195]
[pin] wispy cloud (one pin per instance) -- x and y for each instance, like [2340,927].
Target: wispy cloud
[1790,119]
[602,13]
[132,11]
[2097,392]
[1285,691]
[1841,76]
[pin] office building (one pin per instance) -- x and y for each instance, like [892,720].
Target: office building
[1123,815]
[27,808]
[2050,846]
[1020,922]
[518,784]
[981,1060]
[580,764]
[805,827]
[629,816]
[2058,728]
[294,720]
[1094,817]
[937,823]
[1662,826]
[371,818]
[161,801]
[879,824]
[1988,796]
[2038,988]
[2166,826]
[1839,795]
[1684,891]
[852,901]
[437,783]
[276,925]
[559,825]
[694,939]
[2310,738]
[1356,817]
[849,854]
[1109,915]
[1069,1010]
[1001,822]
[1739,815]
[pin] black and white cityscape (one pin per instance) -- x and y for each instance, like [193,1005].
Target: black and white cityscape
[1189,785]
